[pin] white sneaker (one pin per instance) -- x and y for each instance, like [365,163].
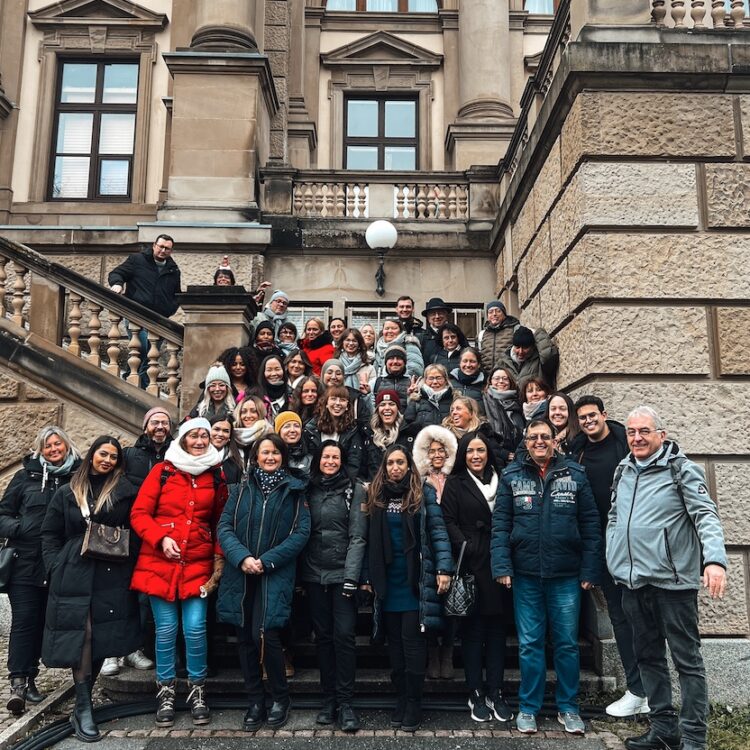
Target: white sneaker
[628,705]
[110,667]
[138,660]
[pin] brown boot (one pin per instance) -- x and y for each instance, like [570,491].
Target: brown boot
[446,663]
[433,663]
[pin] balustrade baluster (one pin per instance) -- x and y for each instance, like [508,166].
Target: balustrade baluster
[718,14]
[698,13]
[737,13]
[173,365]
[421,203]
[153,364]
[351,198]
[308,200]
[74,324]
[411,201]
[134,354]
[95,340]
[400,201]
[365,193]
[463,203]
[113,347]
[19,292]
[319,199]
[441,202]
[339,208]
[3,279]
[659,12]
[452,202]
[297,199]
[678,13]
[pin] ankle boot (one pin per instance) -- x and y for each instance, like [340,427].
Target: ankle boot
[413,713]
[32,694]
[165,694]
[82,719]
[399,682]
[197,701]
[17,702]
[446,663]
[433,663]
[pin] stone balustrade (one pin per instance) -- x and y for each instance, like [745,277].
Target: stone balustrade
[701,14]
[87,320]
[323,195]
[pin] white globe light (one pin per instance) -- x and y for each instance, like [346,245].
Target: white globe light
[381,234]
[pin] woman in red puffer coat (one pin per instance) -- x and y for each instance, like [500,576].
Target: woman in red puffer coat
[175,514]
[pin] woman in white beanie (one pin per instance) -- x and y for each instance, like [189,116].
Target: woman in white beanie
[217,398]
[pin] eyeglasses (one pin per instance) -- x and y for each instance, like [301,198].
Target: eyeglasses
[546,438]
[434,379]
[644,432]
[500,379]
[158,423]
[338,400]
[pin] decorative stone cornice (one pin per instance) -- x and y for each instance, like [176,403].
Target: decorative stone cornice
[97,13]
[381,48]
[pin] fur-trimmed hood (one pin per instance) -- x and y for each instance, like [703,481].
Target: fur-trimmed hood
[422,445]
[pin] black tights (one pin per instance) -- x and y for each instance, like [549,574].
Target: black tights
[407,646]
[87,669]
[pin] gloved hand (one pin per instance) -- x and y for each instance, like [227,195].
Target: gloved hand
[350,589]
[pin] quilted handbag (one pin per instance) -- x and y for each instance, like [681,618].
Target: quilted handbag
[462,594]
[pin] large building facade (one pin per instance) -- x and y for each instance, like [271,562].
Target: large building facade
[584,160]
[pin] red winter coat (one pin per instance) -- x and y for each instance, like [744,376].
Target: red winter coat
[318,351]
[187,509]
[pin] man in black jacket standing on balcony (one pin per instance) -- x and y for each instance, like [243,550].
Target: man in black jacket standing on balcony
[152,279]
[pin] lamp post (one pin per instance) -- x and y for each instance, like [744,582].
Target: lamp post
[381,236]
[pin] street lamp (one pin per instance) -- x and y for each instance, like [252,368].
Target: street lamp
[381,236]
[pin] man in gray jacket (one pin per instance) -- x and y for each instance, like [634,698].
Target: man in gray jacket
[664,539]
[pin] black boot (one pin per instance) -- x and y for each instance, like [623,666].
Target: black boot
[165,694]
[327,713]
[18,693]
[197,701]
[32,694]
[397,715]
[651,740]
[413,713]
[82,719]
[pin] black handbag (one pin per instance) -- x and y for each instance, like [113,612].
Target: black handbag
[103,542]
[462,593]
[7,557]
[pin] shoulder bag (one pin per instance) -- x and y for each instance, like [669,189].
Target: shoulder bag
[462,594]
[102,542]
[7,558]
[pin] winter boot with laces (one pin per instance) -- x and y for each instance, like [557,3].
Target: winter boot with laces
[165,694]
[17,702]
[197,701]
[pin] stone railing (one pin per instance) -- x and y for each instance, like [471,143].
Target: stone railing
[701,14]
[88,320]
[412,196]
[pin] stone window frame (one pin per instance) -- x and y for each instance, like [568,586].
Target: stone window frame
[123,31]
[399,69]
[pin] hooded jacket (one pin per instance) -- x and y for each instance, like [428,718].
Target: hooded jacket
[663,526]
[542,362]
[318,351]
[414,361]
[422,445]
[147,283]
[493,341]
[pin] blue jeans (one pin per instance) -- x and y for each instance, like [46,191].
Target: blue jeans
[537,602]
[166,619]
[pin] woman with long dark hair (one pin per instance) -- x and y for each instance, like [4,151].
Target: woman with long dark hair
[467,503]
[296,367]
[410,565]
[242,368]
[49,466]
[222,438]
[387,427]
[330,570]
[305,397]
[352,353]
[91,612]
[562,413]
[272,386]
[262,531]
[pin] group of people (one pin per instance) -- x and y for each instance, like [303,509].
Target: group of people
[345,463]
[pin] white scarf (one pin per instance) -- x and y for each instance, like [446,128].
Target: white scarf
[489,491]
[190,464]
[247,435]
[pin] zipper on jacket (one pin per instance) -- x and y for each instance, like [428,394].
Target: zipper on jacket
[627,529]
[260,530]
[669,557]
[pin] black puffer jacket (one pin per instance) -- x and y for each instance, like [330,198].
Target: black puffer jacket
[422,412]
[338,532]
[374,454]
[142,457]
[22,512]
[147,283]
[473,389]
[350,441]
[79,585]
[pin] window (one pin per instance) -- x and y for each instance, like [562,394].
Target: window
[385,6]
[381,134]
[543,7]
[360,314]
[301,312]
[94,131]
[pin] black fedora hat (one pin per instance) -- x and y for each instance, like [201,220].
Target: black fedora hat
[436,303]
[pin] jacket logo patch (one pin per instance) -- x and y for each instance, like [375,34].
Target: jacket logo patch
[523,487]
[564,491]
[523,502]
[702,489]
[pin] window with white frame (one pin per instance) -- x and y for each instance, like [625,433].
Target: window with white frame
[360,314]
[298,313]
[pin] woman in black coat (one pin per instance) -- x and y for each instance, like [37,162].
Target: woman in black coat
[467,503]
[47,468]
[91,612]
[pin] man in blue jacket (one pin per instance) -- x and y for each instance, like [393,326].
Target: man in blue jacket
[547,545]
[664,539]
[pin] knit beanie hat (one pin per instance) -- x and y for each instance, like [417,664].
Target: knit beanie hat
[496,303]
[523,336]
[333,362]
[153,412]
[263,324]
[395,350]
[217,373]
[278,294]
[388,394]
[193,424]
[285,417]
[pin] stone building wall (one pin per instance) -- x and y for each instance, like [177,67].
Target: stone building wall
[632,247]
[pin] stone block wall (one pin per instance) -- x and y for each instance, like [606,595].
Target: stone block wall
[633,248]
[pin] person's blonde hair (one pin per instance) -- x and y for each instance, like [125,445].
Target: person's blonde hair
[260,405]
[476,418]
[45,434]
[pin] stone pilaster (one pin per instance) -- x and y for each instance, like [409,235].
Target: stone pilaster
[224,25]
[302,133]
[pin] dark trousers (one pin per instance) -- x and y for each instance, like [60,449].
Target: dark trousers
[407,645]
[659,615]
[334,618]
[252,648]
[447,636]
[28,605]
[623,631]
[483,645]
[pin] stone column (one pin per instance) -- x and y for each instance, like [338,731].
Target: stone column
[485,120]
[223,25]
[302,134]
